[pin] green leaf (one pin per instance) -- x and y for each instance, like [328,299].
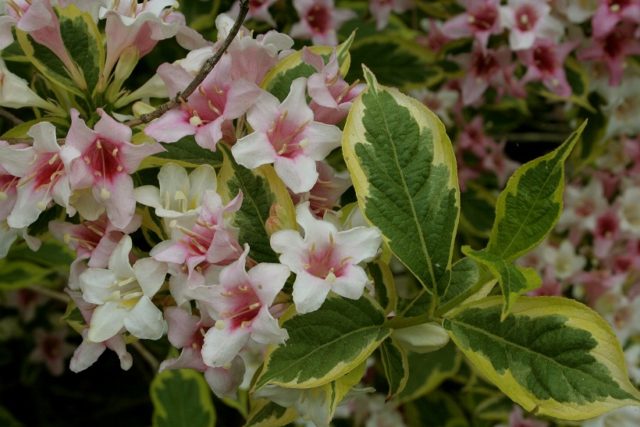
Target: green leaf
[8,420]
[384,284]
[435,410]
[185,152]
[84,43]
[51,254]
[553,356]
[47,63]
[278,80]
[268,414]
[263,193]
[395,366]
[396,61]
[181,398]
[464,275]
[20,274]
[514,280]
[404,172]
[530,205]
[325,344]
[428,370]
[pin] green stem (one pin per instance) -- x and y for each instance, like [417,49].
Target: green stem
[406,322]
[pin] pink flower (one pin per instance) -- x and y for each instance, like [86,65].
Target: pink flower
[326,259]
[481,20]
[286,135]
[517,419]
[381,9]
[485,67]
[258,10]
[528,20]
[240,304]
[613,48]
[545,62]
[102,159]
[43,175]
[143,26]
[611,12]
[331,96]
[325,194]
[217,100]
[606,233]
[187,332]
[8,183]
[203,240]
[319,21]
[88,351]
[51,349]
[41,22]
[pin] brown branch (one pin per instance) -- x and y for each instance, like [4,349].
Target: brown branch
[15,120]
[202,74]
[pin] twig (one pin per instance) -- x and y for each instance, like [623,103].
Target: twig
[15,120]
[146,355]
[202,74]
[58,296]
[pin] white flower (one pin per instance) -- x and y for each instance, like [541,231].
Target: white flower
[630,210]
[325,259]
[123,295]
[180,193]
[564,260]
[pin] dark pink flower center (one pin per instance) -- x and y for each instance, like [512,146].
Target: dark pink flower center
[319,18]
[614,43]
[606,225]
[245,306]
[484,18]
[285,136]
[8,184]
[545,59]
[256,4]
[484,64]
[324,262]
[48,171]
[526,17]
[104,158]
[208,103]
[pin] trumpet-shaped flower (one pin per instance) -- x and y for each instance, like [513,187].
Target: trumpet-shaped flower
[187,332]
[610,12]
[331,96]
[102,159]
[43,175]
[528,20]
[326,259]
[381,9]
[16,93]
[545,62]
[143,25]
[123,295]
[319,20]
[203,240]
[286,135]
[179,193]
[240,304]
[481,20]
[217,100]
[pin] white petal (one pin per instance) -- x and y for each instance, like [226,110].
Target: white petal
[86,354]
[290,245]
[173,179]
[224,382]
[267,280]
[96,284]
[148,195]
[320,139]
[107,321]
[351,283]
[315,230]
[309,292]
[119,259]
[265,111]
[150,275]
[253,150]
[295,104]
[44,137]
[221,346]
[145,320]
[299,174]
[265,329]
[359,244]
[202,178]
